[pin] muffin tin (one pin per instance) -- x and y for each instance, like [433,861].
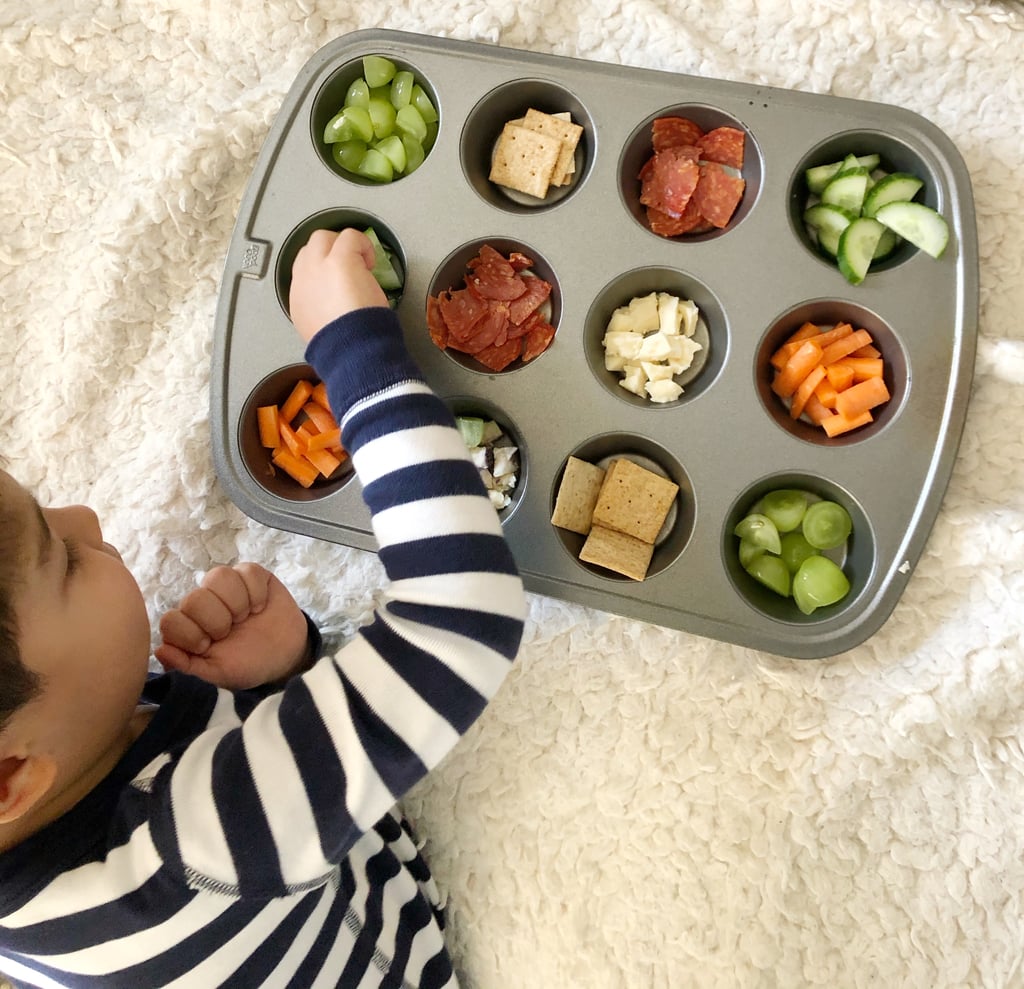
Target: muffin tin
[726,440]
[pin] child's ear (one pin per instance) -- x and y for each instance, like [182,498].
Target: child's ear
[24,780]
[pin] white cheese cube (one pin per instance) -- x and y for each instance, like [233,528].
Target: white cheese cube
[614,362]
[682,351]
[621,321]
[688,313]
[624,344]
[634,379]
[657,371]
[643,311]
[655,347]
[663,391]
[669,314]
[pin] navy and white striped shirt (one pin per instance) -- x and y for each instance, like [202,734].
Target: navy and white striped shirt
[247,839]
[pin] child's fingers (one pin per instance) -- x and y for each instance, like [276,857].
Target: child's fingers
[352,241]
[182,636]
[257,587]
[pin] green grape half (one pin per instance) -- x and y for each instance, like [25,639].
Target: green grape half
[769,570]
[796,549]
[819,582]
[827,525]
[785,507]
[378,70]
[401,89]
[760,530]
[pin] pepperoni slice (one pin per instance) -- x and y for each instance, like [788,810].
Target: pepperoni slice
[537,340]
[718,194]
[435,322]
[520,261]
[724,145]
[674,226]
[671,182]
[493,277]
[537,291]
[672,132]
[498,358]
[461,311]
[488,330]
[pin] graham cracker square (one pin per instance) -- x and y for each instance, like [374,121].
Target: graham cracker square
[634,500]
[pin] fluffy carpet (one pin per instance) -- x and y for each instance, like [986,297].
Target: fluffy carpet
[639,807]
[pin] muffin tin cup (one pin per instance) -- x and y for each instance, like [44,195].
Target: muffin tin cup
[755,280]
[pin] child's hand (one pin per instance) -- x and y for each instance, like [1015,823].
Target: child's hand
[332,276]
[241,628]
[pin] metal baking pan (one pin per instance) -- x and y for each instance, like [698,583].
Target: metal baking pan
[726,440]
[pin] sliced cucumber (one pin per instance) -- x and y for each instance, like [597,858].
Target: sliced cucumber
[471,428]
[384,269]
[919,224]
[847,189]
[857,248]
[897,187]
[820,175]
[829,221]
[887,243]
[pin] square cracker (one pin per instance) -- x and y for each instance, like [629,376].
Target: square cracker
[568,135]
[577,495]
[524,160]
[634,500]
[616,551]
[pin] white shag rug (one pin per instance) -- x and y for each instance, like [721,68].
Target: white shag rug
[639,807]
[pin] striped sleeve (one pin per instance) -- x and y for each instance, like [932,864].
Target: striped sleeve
[270,805]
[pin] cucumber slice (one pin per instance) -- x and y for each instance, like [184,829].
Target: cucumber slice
[857,248]
[919,224]
[384,269]
[897,187]
[829,222]
[471,428]
[887,243]
[820,175]
[847,189]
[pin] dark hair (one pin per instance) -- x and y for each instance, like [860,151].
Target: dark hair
[18,684]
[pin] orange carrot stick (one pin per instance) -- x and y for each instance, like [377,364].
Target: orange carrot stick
[845,346]
[266,416]
[324,441]
[837,424]
[320,396]
[815,411]
[300,394]
[299,469]
[824,392]
[324,461]
[291,439]
[869,350]
[840,375]
[862,367]
[320,417]
[797,368]
[861,397]
[804,391]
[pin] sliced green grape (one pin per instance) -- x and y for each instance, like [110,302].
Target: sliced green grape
[408,121]
[414,153]
[376,166]
[761,531]
[378,70]
[394,150]
[428,141]
[796,549]
[819,582]
[785,507]
[349,154]
[401,89]
[358,93]
[748,550]
[422,102]
[339,128]
[770,571]
[382,117]
[827,525]
[359,120]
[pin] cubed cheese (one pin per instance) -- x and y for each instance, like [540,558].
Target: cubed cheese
[669,315]
[634,379]
[688,314]
[655,347]
[624,344]
[643,311]
[663,391]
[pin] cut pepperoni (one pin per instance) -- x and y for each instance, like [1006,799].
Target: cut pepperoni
[499,358]
[537,291]
[461,311]
[493,277]
[487,330]
[671,182]
[537,340]
[723,145]
[435,322]
[675,226]
[717,194]
[672,132]
[520,261]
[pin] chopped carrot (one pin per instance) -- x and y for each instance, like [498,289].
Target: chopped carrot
[796,369]
[291,439]
[298,398]
[837,424]
[324,461]
[868,350]
[845,346]
[320,396]
[824,391]
[298,468]
[815,411]
[327,440]
[840,375]
[807,330]
[320,417]
[861,397]
[862,367]
[805,389]
[266,416]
